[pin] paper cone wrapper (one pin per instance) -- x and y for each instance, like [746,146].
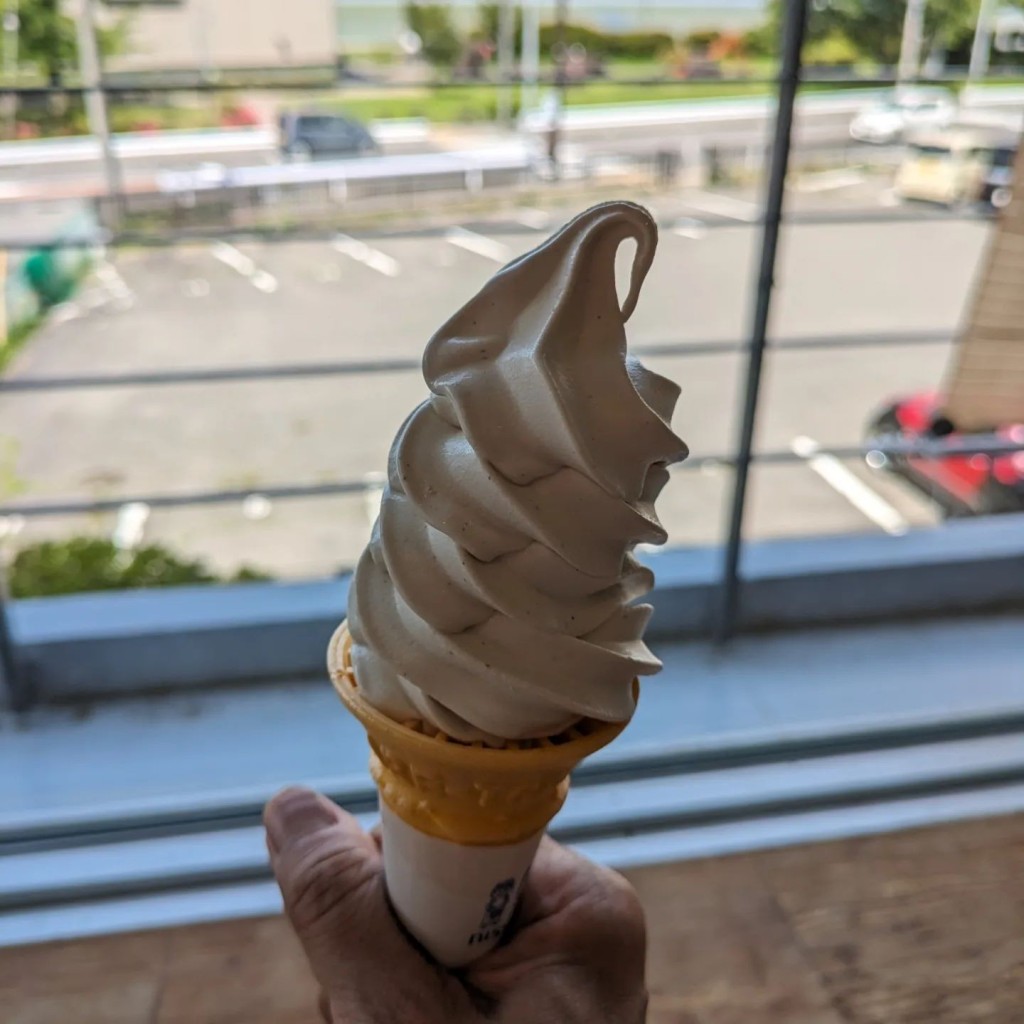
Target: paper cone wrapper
[461,822]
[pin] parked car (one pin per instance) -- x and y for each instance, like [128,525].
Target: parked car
[997,185]
[960,484]
[957,166]
[886,120]
[311,136]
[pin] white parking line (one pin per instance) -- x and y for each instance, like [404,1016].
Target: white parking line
[851,487]
[367,255]
[244,265]
[531,218]
[489,248]
[117,288]
[827,181]
[690,227]
[375,482]
[723,206]
[130,526]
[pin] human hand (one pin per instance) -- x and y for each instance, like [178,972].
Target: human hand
[576,955]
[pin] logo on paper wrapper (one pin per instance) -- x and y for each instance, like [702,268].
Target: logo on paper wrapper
[494,913]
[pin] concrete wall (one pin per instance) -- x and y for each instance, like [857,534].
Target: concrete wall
[226,34]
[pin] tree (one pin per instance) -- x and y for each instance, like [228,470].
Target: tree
[490,25]
[433,24]
[47,38]
[875,27]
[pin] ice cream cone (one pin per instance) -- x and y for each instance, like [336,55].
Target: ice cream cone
[461,822]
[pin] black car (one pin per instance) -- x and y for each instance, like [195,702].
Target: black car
[311,136]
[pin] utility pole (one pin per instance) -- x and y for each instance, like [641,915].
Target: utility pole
[561,86]
[530,59]
[96,99]
[506,59]
[11,25]
[910,45]
[981,48]
[201,27]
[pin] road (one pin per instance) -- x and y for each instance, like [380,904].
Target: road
[72,168]
[255,304]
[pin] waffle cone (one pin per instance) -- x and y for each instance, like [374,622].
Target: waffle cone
[469,794]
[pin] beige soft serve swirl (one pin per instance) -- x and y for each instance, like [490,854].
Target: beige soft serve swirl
[495,599]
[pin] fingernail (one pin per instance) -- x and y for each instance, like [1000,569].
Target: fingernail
[296,814]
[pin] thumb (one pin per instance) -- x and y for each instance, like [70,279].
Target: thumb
[329,873]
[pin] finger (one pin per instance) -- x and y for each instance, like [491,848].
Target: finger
[555,879]
[324,1003]
[329,872]
[574,911]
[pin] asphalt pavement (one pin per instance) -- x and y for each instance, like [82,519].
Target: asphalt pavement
[248,304]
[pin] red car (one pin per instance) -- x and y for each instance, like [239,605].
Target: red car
[962,485]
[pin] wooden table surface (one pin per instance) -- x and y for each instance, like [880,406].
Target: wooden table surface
[923,927]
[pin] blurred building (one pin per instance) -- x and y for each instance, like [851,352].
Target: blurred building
[208,34]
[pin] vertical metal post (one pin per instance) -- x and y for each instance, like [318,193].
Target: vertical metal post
[910,44]
[793,26]
[561,85]
[530,55]
[11,24]
[506,59]
[11,27]
[96,99]
[982,46]
[10,676]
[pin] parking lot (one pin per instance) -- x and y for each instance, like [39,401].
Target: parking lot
[236,303]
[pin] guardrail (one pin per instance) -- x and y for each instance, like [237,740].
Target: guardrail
[470,164]
[178,143]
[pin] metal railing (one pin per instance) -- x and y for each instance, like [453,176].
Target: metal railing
[788,83]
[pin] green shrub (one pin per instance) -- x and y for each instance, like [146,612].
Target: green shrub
[701,39]
[84,564]
[638,45]
[434,25]
[761,42]
[835,50]
[615,45]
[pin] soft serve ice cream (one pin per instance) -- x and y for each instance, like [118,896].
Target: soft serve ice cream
[495,600]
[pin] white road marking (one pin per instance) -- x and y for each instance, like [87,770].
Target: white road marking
[889,198]
[115,287]
[65,312]
[130,526]
[367,255]
[690,227]
[245,265]
[11,526]
[372,495]
[850,486]
[264,281]
[489,248]
[827,181]
[723,206]
[256,507]
[531,218]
